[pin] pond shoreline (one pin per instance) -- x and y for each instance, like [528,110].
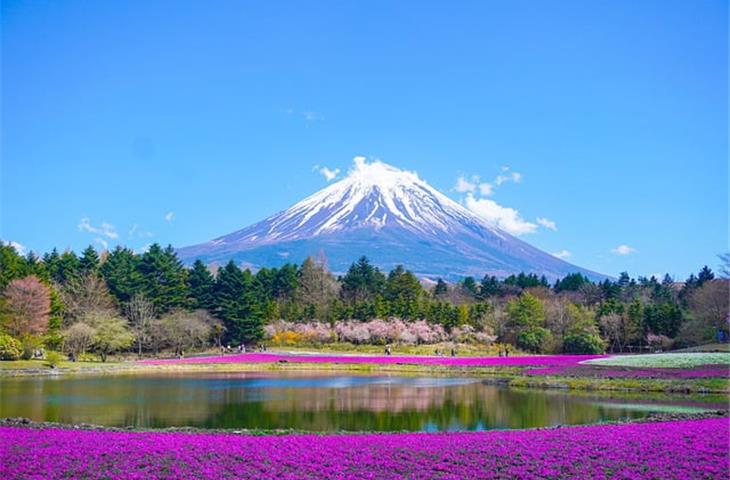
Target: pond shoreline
[22,422]
[511,376]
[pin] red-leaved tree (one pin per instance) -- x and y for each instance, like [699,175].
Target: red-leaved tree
[26,306]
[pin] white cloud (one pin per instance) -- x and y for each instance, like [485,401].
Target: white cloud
[19,247]
[562,254]
[135,232]
[486,189]
[169,217]
[623,250]
[102,242]
[547,223]
[106,229]
[143,249]
[329,174]
[508,177]
[508,219]
[463,185]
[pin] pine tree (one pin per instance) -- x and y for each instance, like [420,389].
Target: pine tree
[164,279]
[362,282]
[202,285]
[121,274]
[12,265]
[89,261]
[69,266]
[441,288]
[705,275]
[237,305]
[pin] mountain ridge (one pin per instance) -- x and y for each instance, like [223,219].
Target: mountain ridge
[392,217]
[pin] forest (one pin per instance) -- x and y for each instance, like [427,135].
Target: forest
[104,303]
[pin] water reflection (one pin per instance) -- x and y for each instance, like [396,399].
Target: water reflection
[321,403]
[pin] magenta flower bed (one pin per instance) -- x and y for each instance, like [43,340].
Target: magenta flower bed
[667,450]
[530,360]
[704,371]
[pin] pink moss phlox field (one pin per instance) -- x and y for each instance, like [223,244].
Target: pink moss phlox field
[703,371]
[666,450]
[521,361]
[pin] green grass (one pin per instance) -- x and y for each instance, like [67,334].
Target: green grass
[664,360]
[710,347]
[687,386]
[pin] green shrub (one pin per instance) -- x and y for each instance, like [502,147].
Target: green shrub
[53,359]
[10,348]
[534,339]
[30,345]
[583,342]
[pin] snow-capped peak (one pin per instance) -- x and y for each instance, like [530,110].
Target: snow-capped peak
[393,217]
[373,195]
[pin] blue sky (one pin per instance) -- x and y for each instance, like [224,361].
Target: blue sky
[176,122]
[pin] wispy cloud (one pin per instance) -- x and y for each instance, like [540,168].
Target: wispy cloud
[507,176]
[105,229]
[562,254]
[486,189]
[473,184]
[19,247]
[328,173]
[104,244]
[136,232]
[623,250]
[169,217]
[463,185]
[505,218]
[547,223]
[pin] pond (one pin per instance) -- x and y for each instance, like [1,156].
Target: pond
[316,402]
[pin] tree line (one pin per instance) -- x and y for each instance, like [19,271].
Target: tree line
[124,301]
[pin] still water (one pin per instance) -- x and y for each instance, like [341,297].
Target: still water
[316,402]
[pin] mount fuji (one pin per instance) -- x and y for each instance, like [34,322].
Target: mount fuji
[392,217]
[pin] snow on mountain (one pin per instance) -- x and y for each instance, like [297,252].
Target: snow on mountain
[391,216]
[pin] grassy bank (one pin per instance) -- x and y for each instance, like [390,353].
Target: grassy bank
[498,375]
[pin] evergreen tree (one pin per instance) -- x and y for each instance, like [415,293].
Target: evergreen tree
[12,265]
[286,281]
[362,282]
[489,287]
[164,279]
[402,292]
[527,317]
[441,288]
[89,261]
[469,287]
[571,283]
[121,275]
[202,285]
[237,306]
[705,275]
[69,267]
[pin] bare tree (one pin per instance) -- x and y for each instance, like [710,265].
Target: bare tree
[317,286]
[77,339]
[708,307]
[85,294]
[183,330]
[612,326]
[26,307]
[141,313]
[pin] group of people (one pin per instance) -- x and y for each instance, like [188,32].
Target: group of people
[241,348]
[442,353]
